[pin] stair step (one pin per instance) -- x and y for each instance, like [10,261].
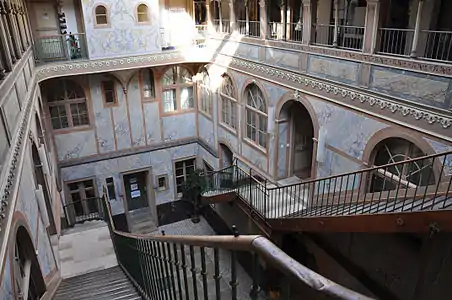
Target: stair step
[108,284]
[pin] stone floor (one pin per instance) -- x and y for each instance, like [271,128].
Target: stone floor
[187,227]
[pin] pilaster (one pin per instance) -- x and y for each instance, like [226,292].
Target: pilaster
[263,19]
[309,14]
[372,23]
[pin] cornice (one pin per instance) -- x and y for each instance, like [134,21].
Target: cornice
[124,63]
[344,94]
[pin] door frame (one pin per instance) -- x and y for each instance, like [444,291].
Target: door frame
[150,193]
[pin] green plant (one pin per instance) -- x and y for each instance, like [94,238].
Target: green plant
[192,189]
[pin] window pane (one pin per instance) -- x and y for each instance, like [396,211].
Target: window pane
[186,98]
[58,117]
[169,100]
[233,119]
[111,188]
[262,139]
[148,84]
[101,20]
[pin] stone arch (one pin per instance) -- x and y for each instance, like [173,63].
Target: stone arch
[285,131]
[247,83]
[22,250]
[226,153]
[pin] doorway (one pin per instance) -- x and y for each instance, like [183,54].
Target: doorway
[295,139]
[141,214]
[227,156]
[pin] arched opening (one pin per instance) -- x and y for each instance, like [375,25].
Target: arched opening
[226,156]
[142,13]
[101,15]
[397,150]
[41,187]
[28,281]
[295,141]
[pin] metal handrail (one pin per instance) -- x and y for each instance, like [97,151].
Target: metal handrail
[256,244]
[368,170]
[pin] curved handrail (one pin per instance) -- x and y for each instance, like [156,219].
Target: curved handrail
[259,245]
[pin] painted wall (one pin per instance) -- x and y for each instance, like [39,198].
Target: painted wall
[123,34]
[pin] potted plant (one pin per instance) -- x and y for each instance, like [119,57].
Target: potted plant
[192,190]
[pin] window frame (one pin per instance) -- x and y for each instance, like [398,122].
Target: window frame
[111,185]
[166,187]
[66,105]
[137,14]
[205,105]
[104,90]
[81,193]
[177,87]
[233,105]
[107,16]
[184,175]
[257,116]
[142,85]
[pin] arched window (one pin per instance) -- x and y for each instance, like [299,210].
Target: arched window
[142,13]
[206,96]
[28,280]
[177,90]
[410,175]
[67,104]
[101,13]
[256,115]
[148,85]
[228,103]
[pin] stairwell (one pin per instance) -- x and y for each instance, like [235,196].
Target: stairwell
[108,284]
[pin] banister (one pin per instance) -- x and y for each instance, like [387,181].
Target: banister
[366,170]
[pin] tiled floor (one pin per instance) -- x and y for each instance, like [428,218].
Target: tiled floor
[187,227]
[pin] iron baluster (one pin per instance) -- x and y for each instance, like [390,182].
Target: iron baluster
[217,275]
[178,269]
[171,268]
[193,272]
[184,271]
[427,184]
[204,273]
[438,181]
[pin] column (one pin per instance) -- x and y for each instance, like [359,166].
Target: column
[247,18]
[16,13]
[284,19]
[372,24]
[4,29]
[232,18]
[336,22]
[417,28]
[220,17]
[12,30]
[309,14]
[263,19]
[209,17]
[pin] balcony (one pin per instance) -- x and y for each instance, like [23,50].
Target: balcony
[63,47]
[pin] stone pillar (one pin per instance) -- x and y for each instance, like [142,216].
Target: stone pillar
[263,19]
[220,17]
[417,28]
[372,25]
[6,63]
[209,17]
[12,30]
[336,22]
[232,18]
[309,15]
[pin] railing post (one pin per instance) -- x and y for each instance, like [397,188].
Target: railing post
[336,22]
[371,29]
[209,17]
[263,19]
[309,13]
[233,283]
[417,29]
[232,18]
[251,193]
[247,18]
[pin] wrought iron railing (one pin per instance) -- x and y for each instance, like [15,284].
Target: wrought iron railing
[276,31]
[436,44]
[350,37]
[203,267]
[396,41]
[296,32]
[324,34]
[254,29]
[407,186]
[242,27]
[61,47]
[84,210]
[226,24]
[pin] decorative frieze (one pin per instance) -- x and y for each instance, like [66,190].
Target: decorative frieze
[345,93]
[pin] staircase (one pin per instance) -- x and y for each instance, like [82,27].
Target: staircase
[407,196]
[108,284]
